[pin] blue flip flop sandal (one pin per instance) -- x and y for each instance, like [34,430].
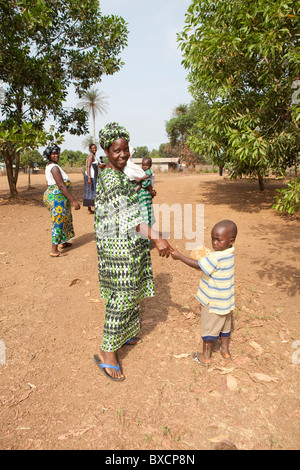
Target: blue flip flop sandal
[102,367]
[138,340]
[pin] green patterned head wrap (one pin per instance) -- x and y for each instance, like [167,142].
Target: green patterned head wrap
[110,133]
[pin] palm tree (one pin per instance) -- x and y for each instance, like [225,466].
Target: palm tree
[88,140]
[181,110]
[94,101]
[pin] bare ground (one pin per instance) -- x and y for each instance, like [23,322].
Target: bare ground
[54,397]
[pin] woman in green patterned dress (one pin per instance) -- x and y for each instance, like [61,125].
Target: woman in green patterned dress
[124,262]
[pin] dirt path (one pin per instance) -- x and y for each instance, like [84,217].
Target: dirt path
[53,396]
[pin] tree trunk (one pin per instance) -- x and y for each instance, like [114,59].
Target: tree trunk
[261,183]
[12,174]
[28,169]
[94,126]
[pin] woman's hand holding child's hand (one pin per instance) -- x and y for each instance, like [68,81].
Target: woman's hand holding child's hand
[163,247]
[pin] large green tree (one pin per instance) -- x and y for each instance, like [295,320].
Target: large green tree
[141,152]
[243,59]
[46,46]
[178,129]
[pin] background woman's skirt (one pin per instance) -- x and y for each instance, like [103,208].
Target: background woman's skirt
[89,191]
[61,215]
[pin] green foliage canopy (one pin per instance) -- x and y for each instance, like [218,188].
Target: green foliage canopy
[32,159]
[45,47]
[141,152]
[73,158]
[243,58]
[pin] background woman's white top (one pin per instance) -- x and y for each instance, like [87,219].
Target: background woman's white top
[92,169]
[49,176]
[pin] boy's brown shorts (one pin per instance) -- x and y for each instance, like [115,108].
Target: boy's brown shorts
[213,325]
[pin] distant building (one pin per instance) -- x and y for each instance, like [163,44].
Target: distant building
[162,164]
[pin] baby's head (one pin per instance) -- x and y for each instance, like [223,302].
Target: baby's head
[223,235]
[146,163]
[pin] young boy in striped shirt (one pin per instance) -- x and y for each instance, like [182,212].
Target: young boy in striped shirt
[216,290]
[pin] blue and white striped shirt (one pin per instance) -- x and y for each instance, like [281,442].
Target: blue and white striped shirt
[216,286]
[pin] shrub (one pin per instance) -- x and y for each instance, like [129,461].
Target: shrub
[288,199]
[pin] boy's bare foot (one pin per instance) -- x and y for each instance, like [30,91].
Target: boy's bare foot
[201,359]
[224,348]
[225,353]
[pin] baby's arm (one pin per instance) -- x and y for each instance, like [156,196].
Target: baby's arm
[193,263]
[139,180]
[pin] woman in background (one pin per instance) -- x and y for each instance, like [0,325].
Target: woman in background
[58,199]
[90,179]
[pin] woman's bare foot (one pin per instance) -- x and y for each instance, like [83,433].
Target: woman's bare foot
[55,253]
[66,245]
[134,340]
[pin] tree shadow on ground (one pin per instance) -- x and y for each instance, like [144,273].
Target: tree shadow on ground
[281,277]
[34,195]
[241,195]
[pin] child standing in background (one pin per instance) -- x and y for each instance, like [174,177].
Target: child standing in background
[216,290]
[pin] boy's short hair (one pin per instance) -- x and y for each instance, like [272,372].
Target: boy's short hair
[229,225]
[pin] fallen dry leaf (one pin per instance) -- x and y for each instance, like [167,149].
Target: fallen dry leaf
[218,438]
[263,377]
[232,383]
[75,281]
[189,316]
[256,347]
[257,324]
[31,385]
[95,301]
[24,397]
[180,356]
[223,370]
[72,433]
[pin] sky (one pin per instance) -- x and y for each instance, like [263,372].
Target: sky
[152,83]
